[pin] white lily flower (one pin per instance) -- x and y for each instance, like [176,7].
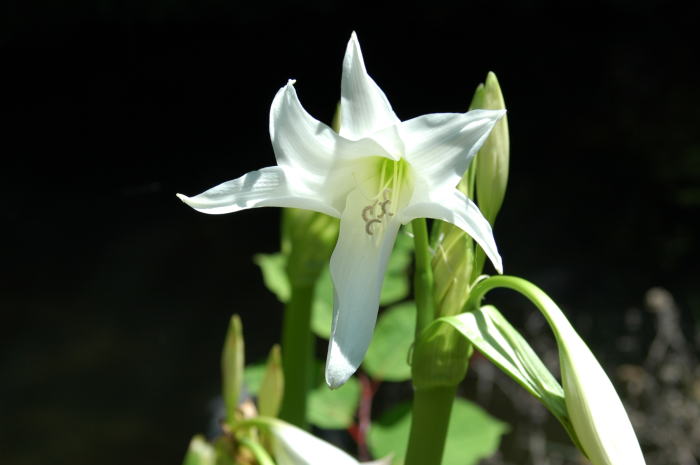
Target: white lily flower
[294,446]
[375,175]
[602,426]
[595,409]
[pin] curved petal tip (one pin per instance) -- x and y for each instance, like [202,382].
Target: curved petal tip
[338,368]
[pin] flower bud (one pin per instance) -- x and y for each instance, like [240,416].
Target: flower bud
[440,359]
[599,418]
[200,452]
[493,157]
[453,264]
[232,364]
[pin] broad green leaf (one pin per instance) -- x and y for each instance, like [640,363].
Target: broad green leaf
[272,386]
[322,306]
[333,409]
[387,356]
[388,434]
[396,286]
[253,376]
[200,452]
[232,365]
[473,434]
[273,267]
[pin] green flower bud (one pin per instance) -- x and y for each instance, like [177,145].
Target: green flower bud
[232,365]
[441,359]
[453,264]
[596,412]
[200,452]
[493,157]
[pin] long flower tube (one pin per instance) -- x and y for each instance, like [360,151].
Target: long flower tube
[376,174]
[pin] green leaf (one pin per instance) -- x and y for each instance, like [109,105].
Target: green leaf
[387,356]
[200,452]
[322,305]
[473,434]
[253,376]
[493,157]
[273,267]
[389,433]
[232,365]
[272,387]
[333,409]
[396,284]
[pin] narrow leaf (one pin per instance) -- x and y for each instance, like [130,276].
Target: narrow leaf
[498,341]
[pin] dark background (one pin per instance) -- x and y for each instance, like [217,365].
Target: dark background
[115,296]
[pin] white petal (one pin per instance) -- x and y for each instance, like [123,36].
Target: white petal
[357,267]
[294,446]
[301,143]
[364,109]
[440,146]
[383,461]
[268,187]
[317,158]
[596,412]
[454,207]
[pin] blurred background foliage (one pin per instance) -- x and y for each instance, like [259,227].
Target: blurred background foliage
[116,297]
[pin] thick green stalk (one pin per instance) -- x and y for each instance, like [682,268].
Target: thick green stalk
[423,277]
[431,417]
[431,405]
[297,355]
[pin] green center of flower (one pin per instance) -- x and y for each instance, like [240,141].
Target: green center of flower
[389,196]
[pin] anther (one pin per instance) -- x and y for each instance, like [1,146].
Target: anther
[384,209]
[368,226]
[368,210]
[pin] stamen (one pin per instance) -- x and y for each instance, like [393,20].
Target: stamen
[368,226]
[384,209]
[368,210]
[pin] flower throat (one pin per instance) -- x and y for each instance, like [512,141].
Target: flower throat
[392,177]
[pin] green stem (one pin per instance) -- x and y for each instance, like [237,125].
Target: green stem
[431,405]
[423,277]
[258,451]
[430,419]
[549,309]
[297,355]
